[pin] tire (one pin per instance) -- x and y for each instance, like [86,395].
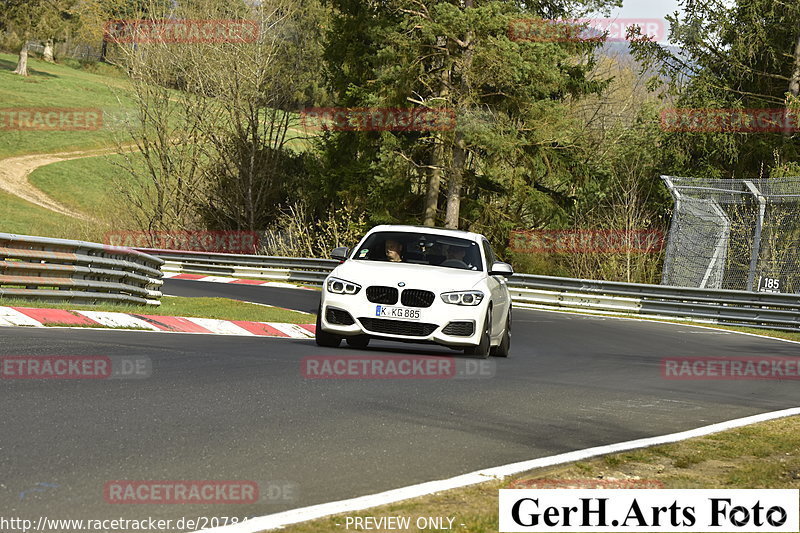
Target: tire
[484,347]
[323,338]
[359,341]
[502,349]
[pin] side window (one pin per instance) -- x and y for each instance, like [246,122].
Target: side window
[487,251]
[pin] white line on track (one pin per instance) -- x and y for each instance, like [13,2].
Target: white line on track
[664,321]
[279,520]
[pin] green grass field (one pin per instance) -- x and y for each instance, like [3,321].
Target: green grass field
[89,185]
[85,185]
[61,86]
[21,217]
[81,184]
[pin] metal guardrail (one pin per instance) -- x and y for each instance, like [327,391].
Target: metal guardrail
[742,308]
[738,308]
[291,269]
[58,270]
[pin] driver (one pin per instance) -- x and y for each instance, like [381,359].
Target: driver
[456,253]
[455,257]
[393,250]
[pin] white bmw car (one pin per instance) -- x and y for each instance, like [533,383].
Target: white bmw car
[418,284]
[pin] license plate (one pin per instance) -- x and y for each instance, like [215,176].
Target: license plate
[401,313]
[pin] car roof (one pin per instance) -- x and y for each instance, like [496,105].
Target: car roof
[428,229]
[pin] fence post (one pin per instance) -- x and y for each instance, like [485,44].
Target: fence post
[762,207]
[666,270]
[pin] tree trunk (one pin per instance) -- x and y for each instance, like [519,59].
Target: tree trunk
[794,84]
[437,151]
[455,182]
[47,55]
[22,64]
[434,182]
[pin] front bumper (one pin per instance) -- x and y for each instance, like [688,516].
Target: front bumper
[430,328]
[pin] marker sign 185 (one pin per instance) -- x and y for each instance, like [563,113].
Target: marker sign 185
[766,284]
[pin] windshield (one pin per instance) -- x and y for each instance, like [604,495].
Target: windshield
[422,249]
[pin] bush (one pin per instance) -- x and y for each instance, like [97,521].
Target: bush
[297,234]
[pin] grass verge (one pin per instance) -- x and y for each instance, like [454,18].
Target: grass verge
[220,308]
[759,456]
[787,335]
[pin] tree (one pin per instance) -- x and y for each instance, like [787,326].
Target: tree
[512,131]
[215,126]
[37,18]
[742,54]
[96,15]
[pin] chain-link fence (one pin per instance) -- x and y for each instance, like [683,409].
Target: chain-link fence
[72,49]
[734,234]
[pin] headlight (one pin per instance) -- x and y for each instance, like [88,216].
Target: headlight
[462,297]
[340,286]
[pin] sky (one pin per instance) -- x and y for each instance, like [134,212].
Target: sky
[647,9]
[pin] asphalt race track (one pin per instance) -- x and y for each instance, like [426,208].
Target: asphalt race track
[238,408]
[299,300]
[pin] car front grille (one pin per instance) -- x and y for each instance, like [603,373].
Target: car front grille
[397,327]
[417,298]
[459,329]
[378,294]
[338,316]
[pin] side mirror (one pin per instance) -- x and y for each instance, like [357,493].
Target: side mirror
[340,253]
[501,269]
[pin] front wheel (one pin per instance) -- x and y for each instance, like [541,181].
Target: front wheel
[323,338]
[484,347]
[503,348]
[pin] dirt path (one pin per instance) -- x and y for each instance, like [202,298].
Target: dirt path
[14,172]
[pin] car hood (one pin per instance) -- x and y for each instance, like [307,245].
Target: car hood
[432,278]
